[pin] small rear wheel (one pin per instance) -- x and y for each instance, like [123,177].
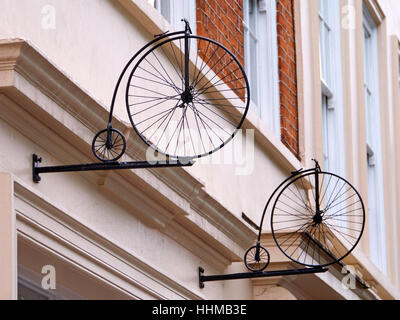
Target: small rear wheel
[109,145]
[256,258]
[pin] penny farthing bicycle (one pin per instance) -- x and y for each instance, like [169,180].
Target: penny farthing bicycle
[186,97]
[317,219]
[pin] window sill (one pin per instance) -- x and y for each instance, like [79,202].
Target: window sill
[146,15]
[271,142]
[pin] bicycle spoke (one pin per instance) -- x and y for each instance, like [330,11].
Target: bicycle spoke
[165,128]
[161,78]
[203,65]
[181,67]
[211,121]
[303,205]
[219,104]
[164,116]
[204,126]
[216,74]
[306,216]
[326,189]
[211,68]
[219,116]
[165,71]
[220,82]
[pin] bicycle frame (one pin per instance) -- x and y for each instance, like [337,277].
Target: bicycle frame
[158,37]
[295,174]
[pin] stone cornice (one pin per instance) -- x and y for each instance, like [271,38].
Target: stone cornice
[50,227]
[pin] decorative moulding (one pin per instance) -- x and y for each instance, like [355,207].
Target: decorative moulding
[51,228]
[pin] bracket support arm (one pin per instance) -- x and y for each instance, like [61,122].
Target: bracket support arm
[37,170]
[250,275]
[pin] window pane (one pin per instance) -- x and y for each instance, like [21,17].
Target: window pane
[253,66]
[251,48]
[373,137]
[261,60]
[252,16]
[325,42]
[165,9]
[367,58]
[325,136]
[369,118]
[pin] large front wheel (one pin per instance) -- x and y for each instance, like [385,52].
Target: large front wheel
[187,103]
[256,258]
[109,145]
[317,219]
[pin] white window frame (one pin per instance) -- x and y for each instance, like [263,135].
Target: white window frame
[174,10]
[399,63]
[264,102]
[376,213]
[331,88]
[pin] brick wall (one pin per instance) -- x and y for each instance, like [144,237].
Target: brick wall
[221,20]
[287,75]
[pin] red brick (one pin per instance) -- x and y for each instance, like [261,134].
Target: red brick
[224,24]
[287,75]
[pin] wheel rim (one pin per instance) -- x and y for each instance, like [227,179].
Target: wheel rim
[111,150]
[192,123]
[253,264]
[313,239]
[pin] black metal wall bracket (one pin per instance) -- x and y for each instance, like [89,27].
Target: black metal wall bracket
[261,274]
[37,170]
